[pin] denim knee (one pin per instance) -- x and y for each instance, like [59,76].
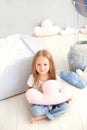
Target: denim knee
[58,110]
[39,110]
[65,106]
[35,110]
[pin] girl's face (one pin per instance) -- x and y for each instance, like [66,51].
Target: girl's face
[42,65]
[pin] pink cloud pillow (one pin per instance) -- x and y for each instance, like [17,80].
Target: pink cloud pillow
[52,94]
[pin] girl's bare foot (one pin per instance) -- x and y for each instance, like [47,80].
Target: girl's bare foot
[34,119]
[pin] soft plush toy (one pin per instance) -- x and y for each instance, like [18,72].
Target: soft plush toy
[68,31]
[52,94]
[82,74]
[46,29]
[73,79]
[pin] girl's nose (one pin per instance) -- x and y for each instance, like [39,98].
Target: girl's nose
[42,67]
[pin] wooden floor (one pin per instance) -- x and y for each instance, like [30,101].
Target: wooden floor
[15,113]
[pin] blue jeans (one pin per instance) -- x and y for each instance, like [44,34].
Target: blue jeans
[51,111]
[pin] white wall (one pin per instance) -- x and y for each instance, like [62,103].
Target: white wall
[20,16]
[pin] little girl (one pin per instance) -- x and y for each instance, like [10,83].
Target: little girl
[43,69]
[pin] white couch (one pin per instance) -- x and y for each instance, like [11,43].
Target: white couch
[16,56]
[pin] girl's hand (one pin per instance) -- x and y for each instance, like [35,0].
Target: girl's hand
[28,87]
[69,100]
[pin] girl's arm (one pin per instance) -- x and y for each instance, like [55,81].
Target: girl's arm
[29,82]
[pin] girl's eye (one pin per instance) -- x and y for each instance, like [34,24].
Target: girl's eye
[45,64]
[38,64]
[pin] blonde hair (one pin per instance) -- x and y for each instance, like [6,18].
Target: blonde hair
[52,70]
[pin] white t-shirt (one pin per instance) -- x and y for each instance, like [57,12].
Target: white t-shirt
[30,82]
